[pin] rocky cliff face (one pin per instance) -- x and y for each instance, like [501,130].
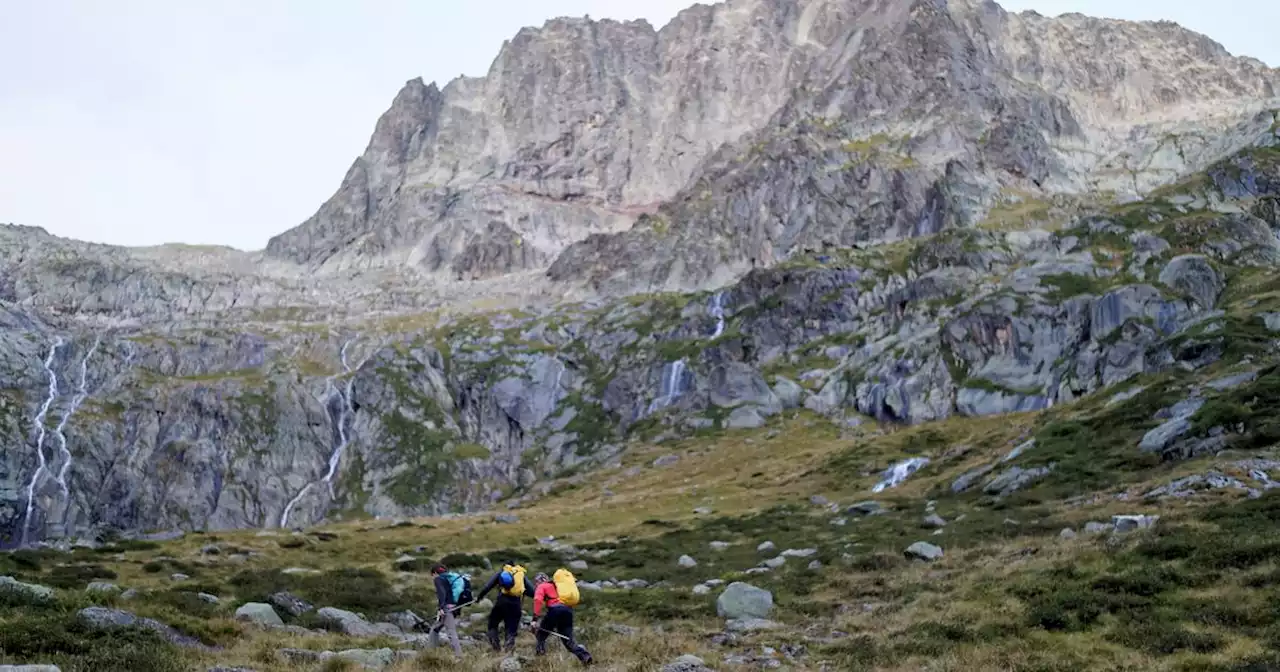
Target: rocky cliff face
[909,210]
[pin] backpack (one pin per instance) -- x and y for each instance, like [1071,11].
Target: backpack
[516,588]
[566,588]
[460,586]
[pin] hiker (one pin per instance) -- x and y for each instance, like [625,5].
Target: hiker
[513,585]
[559,618]
[450,589]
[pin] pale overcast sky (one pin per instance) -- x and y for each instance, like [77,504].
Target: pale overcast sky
[145,121]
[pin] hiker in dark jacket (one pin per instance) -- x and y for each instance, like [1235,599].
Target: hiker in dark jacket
[513,585]
[448,612]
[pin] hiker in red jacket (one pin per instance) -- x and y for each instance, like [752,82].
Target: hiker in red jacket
[558,621]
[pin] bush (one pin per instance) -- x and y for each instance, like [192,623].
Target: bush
[77,576]
[60,639]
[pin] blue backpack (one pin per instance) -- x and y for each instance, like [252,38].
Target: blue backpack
[459,587]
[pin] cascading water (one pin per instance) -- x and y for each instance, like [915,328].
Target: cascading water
[82,393]
[40,435]
[341,418]
[895,475]
[672,385]
[717,311]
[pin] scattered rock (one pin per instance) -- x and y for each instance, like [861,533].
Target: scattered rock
[744,417]
[686,663]
[633,584]
[968,479]
[1015,478]
[819,500]
[800,553]
[666,460]
[815,565]
[868,508]
[1271,320]
[408,621]
[687,562]
[506,518]
[347,623]
[102,618]
[720,545]
[179,577]
[751,624]
[102,587]
[775,563]
[934,520]
[29,592]
[578,565]
[510,664]
[1094,527]
[624,630]
[765,547]
[1232,382]
[299,570]
[701,589]
[743,600]
[1017,452]
[1130,523]
[258,612]
[211,549]
[923,550]
[702,511]
[1188,486]
[290,604]
[1067,534]
[206,597]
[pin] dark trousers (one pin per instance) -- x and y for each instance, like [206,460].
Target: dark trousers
[506,610]
[559,619]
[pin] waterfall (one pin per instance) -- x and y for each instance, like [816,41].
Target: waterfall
[672,385]
[895,475]
[341,419]
[40,435]
[717,311]
[82,393]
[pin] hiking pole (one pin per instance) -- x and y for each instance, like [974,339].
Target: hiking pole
[556,634]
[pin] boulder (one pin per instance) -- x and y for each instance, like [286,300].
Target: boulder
[347,623]
[687,562]
[922,550]
[290,604]
[800,552]
[510,664]
[1013,479]
[775,563]
[1094,527]
[1130,523]
[686,663]
[867,508]
[702,589]
[745,417]
[738,383]
[788,392]
[720,545]
[934,520]
[27,592]
[104,619]
[578,565]
[258,612]
[102,587]
[375,659]
[751,625]
[765,547]
[207,598]
[743,600]
[1067,534]
[1194,276]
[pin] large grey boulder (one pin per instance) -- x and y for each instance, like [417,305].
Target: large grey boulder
[745,417]
[788,392]
[290,604]
[922,550]
[258,612]
[737,383]
[1194,276]
[27,592]
[102,618]
[347,623]
[743,600]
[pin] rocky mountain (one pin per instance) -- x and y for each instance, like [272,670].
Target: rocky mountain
[864,211]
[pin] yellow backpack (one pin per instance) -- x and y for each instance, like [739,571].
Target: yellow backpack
[517,588]
[566,587]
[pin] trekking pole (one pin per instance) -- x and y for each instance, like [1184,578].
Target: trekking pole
[553,633]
